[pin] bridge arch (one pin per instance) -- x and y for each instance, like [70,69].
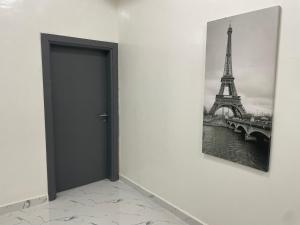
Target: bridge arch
[242,128]
[263,141]
[232,125]
[260,133]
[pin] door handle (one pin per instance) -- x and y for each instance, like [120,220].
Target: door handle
[103,116]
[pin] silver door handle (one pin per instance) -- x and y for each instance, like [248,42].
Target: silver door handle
[104,115]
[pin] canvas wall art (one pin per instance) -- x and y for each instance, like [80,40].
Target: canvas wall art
[240,74]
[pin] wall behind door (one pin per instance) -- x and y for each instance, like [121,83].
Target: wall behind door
[162,58]
[22,137]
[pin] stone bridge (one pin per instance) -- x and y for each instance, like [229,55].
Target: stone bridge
[251,129]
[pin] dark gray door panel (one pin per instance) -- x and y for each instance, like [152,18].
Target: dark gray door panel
[79,94]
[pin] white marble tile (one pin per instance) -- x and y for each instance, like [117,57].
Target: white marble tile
[100,203]
[184,216]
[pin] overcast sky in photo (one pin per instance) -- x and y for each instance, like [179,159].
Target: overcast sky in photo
[254,49]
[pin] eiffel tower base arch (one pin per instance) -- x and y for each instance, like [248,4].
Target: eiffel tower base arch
[233,103]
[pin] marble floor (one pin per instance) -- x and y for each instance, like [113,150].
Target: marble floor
[100,203]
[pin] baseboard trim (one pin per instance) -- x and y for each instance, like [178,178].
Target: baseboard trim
[22,204]
[183,215]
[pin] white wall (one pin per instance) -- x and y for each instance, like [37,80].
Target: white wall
[22,137]
[162,57]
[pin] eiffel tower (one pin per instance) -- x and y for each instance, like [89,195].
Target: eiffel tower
[231,100]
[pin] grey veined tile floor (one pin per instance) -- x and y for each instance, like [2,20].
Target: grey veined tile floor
[100,203]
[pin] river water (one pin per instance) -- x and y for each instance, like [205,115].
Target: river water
[225,143]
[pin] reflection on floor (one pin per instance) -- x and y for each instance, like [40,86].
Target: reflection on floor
[100,203]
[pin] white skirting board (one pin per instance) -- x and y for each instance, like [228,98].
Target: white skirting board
[189,219]
[22,204]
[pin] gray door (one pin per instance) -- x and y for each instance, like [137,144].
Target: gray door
[79,95]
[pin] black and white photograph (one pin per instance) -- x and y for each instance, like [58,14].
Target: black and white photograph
[240,77]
